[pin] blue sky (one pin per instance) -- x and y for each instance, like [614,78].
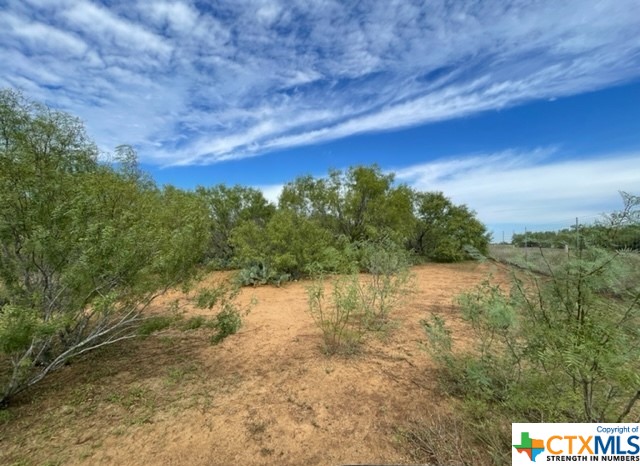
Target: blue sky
[527,111]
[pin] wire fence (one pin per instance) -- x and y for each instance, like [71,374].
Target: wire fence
[575,233]
[538,246]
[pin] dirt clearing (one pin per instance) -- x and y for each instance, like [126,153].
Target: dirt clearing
[267,395]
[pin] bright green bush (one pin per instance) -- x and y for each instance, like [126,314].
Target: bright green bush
[360,203]
[85,247]
[227,322]
[287,245]
[228,207]
[322,224]
[443,229]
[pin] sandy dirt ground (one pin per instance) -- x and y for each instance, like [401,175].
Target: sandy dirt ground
[267,395]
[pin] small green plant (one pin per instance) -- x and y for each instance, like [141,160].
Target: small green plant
[155,324]
[340,318]
[387,284]
[208,298]
[360,304]
[177,375]
[495,363]
[261,274]
[227,322]
[5,416]
[228,319]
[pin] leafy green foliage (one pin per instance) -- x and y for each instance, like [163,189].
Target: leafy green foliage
[444,229]
[557,348]
[322,223]
[228,207]
[286,245]
[387,283]
[228,318]
[361,204]
[87,246]
[196,322]
[84,247]
[227,322]
[562,348]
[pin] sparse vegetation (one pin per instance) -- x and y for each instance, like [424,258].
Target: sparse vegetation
[358,305]
[88,247]
[387,285]
[341,317]
[227,322]
[556,348]
[442,439]
[228,318]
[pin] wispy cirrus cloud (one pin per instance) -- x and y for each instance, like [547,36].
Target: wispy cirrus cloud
[530,187]
[194,84]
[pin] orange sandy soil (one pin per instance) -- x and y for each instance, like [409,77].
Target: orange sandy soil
[267,395]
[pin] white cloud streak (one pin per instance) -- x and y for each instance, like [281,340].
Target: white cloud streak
[193,85]
[530,188]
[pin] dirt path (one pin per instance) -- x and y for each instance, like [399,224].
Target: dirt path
[266,395]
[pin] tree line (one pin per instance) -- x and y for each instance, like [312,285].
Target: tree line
[322,223]
[614,231]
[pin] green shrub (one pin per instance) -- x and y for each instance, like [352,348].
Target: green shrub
[280,250]
[341,258]
[359,304]
[443,230]
[562,348]
[341,317]
[387,284]
[208,298]
[86,246]
[227,322]
[228,319]
[227,208]
[569,338]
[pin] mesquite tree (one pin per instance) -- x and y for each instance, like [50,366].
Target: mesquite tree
[84,248]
